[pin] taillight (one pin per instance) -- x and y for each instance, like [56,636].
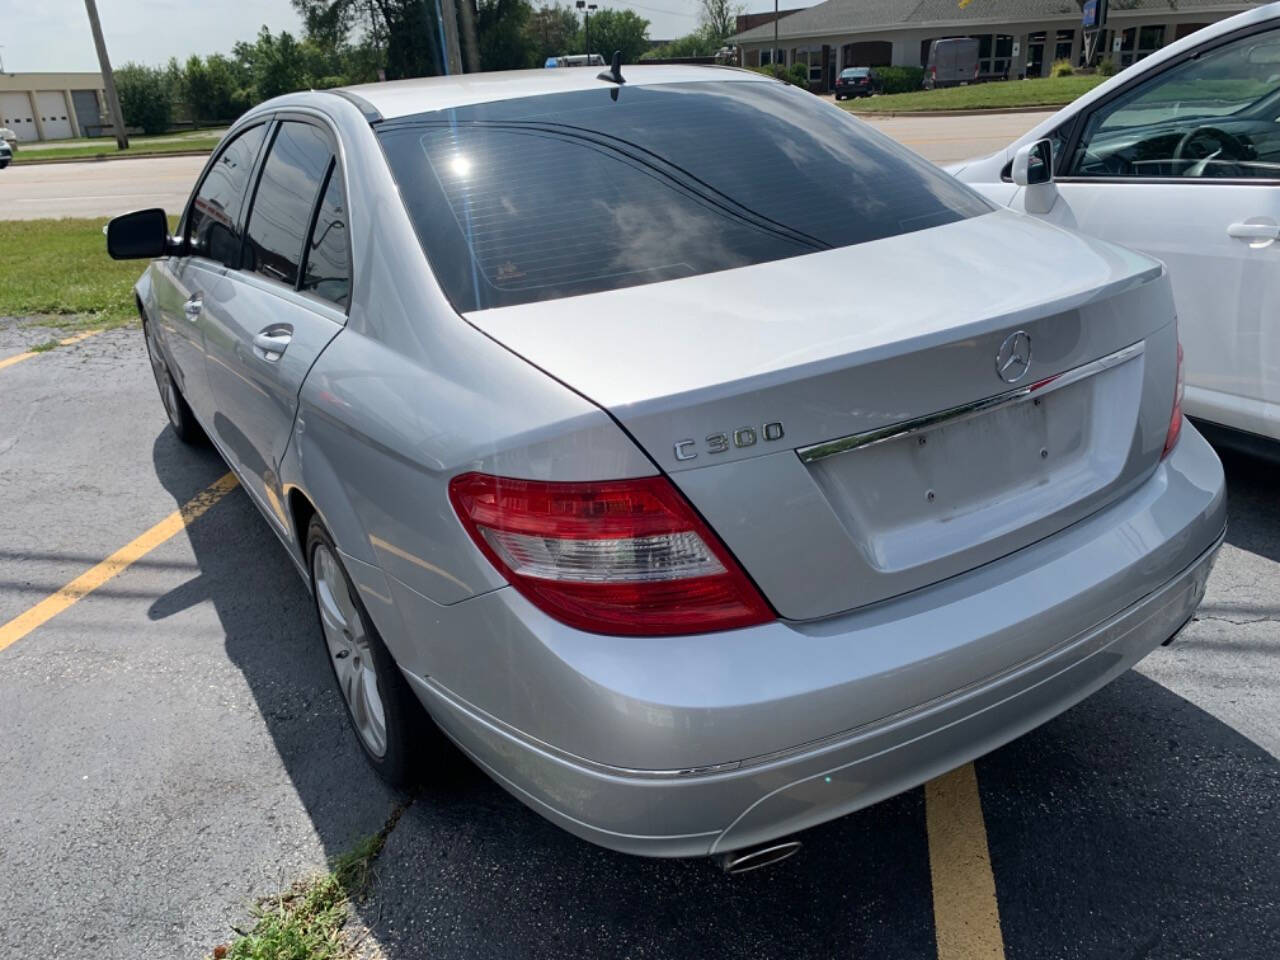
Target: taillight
[626,557]
[1175,419]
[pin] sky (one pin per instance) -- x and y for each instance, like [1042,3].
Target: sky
[53,35]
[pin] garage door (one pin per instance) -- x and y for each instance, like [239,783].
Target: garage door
[53,114]
[15,113]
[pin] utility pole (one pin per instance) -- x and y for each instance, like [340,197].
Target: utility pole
[108,78]
[452,55]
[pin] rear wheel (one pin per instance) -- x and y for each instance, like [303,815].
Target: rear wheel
[389,722]
[181,418]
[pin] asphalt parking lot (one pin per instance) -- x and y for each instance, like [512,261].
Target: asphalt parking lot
[174,749]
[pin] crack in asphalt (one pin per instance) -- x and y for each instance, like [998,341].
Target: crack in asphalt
[1239,623]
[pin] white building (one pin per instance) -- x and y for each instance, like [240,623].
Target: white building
[875,33]
[53,106]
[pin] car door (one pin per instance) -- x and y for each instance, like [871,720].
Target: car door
[1184,164]
[268,319]
[211,229]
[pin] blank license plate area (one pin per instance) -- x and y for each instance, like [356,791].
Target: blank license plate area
[922,497]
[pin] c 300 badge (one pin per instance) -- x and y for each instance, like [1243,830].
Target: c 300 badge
[724,442]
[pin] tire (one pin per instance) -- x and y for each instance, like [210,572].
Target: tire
[388,721]
[175,404]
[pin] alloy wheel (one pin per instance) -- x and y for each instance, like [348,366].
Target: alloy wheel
[347,638]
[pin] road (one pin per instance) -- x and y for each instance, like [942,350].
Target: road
[105,188]
[174,748]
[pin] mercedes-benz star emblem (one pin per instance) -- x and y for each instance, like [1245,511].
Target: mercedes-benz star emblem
[1013,359]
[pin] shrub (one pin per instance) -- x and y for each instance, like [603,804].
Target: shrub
[797,75]
[900,79]
[1061,68]
[1107,67]
[144,97]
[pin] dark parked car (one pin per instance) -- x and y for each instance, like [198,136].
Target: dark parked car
[857,82]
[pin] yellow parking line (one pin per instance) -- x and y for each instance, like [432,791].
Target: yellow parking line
[966,918]
[93,578]
[19,357]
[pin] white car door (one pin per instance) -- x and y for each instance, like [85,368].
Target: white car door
[1183,162]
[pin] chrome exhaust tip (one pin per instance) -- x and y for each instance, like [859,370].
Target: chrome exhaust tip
[753,858]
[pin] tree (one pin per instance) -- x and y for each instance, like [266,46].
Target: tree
[406,32]
[145,97]
[718,19]
[700,43]
[617,30]
[551,32]
[215,89]
[502,34]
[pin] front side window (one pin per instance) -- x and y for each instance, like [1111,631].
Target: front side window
[1217,115]
[574,193]
[212,228]
[285,199]
[327,269]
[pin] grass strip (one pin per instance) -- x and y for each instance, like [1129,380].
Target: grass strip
[997,95]
[93,151]
[58,272]
[308,921]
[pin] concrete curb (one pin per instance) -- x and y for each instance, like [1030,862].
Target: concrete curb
[99,157]
[985,111]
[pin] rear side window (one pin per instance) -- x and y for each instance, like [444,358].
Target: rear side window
[327,273]
[575,193]
[212,228]
[286,197]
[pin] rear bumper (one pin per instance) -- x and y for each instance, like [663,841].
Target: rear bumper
[1039,630]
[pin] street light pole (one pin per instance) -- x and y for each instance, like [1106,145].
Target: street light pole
[108,78]
[586,9]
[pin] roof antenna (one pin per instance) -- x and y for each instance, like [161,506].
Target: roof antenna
[614,74]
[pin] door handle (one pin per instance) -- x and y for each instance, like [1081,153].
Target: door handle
[191,309]
[272,342]
[1254,231]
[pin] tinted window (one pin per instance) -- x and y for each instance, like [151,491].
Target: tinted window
[285,200]
[213,231]
[575,193]
[328,269]
[1213,116]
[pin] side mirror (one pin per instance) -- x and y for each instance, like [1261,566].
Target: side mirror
[1033,169]
[141,235]
[1033,164]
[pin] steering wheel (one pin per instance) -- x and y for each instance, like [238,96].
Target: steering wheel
[1204,144]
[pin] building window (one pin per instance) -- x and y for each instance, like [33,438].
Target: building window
[995,53]
[1062,47]
[810,57]
[772,56]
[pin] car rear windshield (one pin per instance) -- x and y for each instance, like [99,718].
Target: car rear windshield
[856,72]
[574,193]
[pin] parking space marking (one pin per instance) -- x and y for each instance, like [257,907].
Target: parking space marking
[19,357]
[94,577]
[966,917]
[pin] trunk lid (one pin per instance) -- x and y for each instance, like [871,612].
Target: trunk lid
[746,387]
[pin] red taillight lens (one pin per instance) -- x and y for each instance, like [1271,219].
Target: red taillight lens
[1175,420]
[627,557]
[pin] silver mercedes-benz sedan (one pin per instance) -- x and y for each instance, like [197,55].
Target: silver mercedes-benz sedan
[707,465]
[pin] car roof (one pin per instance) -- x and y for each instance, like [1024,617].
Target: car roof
[402,98]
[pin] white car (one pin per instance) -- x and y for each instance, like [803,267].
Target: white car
[1179,157]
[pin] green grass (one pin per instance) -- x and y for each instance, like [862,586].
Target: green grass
[138,147]
[46,346]
[307,921]
[58,271]
[1041,92]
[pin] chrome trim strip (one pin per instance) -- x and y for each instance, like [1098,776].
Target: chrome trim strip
[857,441]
